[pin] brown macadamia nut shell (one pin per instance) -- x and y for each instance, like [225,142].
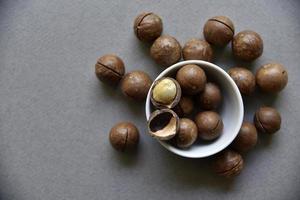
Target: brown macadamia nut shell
[187,133]
[247,45]
[218,30]
[210,125]
[246,138]
[185,106]
[228,164]
[136,85]
[272,77]
[123,136]
[267,120]
[244,79]
[191,78]
[196,49]
[110,69]
[210,98]
[166,51]
[163,124]
[147,26]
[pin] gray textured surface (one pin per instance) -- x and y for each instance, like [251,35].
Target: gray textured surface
[55,115]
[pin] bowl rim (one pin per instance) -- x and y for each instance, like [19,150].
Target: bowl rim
[228,79]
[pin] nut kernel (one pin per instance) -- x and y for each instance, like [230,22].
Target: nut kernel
[165,91]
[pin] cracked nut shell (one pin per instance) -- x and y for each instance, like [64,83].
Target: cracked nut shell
[218,30]
[124,136]
[272,77]
[246,138]
[267,120]
[187,133]
[247,45]
[210,125]
[136,85]
[163,124]
[110,69]
[147,26]
[244,79]
[196,49]
[191,78]
[184,107]
[210,98]
[165,93]
[166,51]
[228,164]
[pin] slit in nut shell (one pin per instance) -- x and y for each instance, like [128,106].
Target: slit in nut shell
[163,124]
[228,164]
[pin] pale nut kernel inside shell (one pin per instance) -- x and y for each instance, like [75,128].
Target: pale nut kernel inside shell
[164,91]
[163,124]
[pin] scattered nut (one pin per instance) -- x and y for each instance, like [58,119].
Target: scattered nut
[110,69]
[196,49]
[244,79]
[272,77]
[246,138]
[147,26]
[267,120]
[228,164]
[166,51]
[136,85]
[247,45]
[124,136]
[218,30]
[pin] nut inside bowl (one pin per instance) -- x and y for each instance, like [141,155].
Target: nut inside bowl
[231,111]
[163,124]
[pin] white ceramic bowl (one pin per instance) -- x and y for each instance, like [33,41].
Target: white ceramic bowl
[231,110]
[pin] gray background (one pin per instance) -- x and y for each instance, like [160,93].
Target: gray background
[55,115]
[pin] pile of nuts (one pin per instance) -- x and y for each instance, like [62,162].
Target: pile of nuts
[176,98]
[185,94]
